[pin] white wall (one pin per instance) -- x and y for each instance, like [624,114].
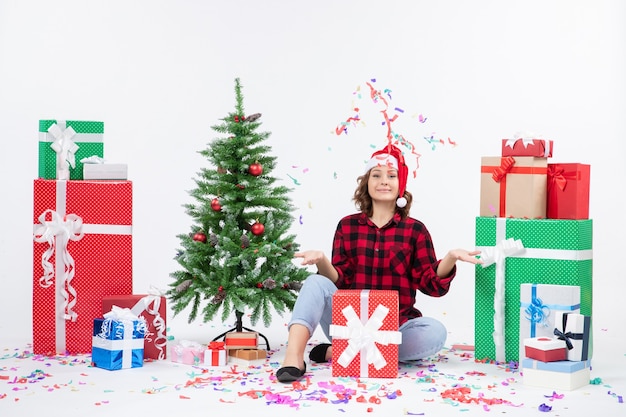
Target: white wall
[160,73]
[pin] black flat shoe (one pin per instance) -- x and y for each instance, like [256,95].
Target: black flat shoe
[290,373]
[318,353]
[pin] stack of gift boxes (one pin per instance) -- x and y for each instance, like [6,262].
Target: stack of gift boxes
[236,344]
[83,299]
[535,284]
[82,254]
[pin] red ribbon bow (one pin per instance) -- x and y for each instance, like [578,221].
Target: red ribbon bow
[505,166]
[214,345]
[556,176]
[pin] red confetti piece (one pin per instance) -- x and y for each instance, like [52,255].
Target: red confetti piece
[462,347]
[462,395]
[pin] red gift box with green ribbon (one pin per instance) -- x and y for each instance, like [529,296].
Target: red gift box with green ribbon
[568,191]
[82,252]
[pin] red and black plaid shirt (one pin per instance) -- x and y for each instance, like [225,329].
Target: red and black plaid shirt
[400,256]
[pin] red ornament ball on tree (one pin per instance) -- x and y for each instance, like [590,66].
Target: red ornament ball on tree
[255,169]
[257,229]
[215,204]
[199,237]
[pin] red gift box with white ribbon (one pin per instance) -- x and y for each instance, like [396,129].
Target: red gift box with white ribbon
[365,334]
[541,148]
[82,252]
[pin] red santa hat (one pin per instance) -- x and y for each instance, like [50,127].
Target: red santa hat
[392,157]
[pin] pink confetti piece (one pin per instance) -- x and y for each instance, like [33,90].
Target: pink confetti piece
[554,396]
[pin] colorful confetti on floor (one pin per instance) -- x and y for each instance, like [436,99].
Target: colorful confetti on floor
[451,382]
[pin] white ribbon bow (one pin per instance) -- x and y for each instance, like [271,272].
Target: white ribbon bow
[151,305]
[497,255]
[527,138]
[119,313]
[362,338]
[93,159]
[57,233]
[64,147]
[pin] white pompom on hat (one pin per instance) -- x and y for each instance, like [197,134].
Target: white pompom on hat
[391,156]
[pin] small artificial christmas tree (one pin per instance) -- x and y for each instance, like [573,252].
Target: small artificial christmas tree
[239,253]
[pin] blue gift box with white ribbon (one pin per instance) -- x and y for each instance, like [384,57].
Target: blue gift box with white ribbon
[118,342]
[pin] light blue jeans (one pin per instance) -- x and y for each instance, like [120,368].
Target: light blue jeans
[421,337]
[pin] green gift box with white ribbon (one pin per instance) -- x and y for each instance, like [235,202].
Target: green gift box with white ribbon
[63,144]
[524,251]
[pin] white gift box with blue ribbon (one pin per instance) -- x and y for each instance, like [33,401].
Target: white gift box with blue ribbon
[118,340]
[540,304]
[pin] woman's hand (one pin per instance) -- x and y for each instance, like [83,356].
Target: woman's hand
[447,263]
[310,257]
[465,256]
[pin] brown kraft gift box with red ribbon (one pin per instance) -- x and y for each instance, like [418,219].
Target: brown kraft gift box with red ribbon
[568,191]
[152,308]
[513,187]
[82,252]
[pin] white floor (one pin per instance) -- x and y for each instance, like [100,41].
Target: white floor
[69,386]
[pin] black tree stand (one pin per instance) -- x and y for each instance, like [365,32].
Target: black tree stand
[239,328]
